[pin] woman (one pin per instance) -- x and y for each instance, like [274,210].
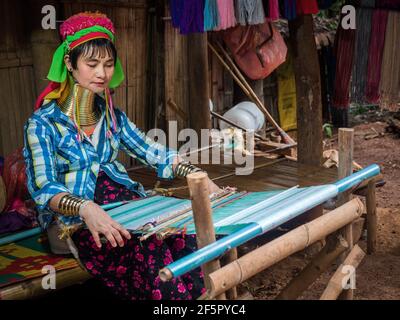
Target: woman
[71,145]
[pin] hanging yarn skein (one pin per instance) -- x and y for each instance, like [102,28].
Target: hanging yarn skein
[363,33]
[227,17]
[375,54]
[273,10]
[249,12]
[211,15]
[192,19]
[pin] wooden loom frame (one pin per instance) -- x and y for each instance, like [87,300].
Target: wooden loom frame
[342,227]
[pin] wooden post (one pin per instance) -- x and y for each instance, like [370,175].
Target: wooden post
[267,255]
[308,90]
[335,285]
[308,96]
[199,93]
[371,217]
[205,233]
[346,147]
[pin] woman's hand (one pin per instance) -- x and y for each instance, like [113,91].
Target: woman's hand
[100,223]
[212,187]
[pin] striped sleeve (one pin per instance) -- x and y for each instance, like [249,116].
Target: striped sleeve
[40,163]
[136,144]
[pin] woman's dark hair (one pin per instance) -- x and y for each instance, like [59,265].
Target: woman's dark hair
[93,48]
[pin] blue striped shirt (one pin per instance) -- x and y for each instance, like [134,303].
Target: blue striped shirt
[57,162]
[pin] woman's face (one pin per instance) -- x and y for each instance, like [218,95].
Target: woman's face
[93,73]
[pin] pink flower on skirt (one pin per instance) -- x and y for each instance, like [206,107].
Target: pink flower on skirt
[156,294]
[179,244]
[167,260]
[89,265]
[181,288]
[112,196]
[151,246]
[139,257]
[121,270]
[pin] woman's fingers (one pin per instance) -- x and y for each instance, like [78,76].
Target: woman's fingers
[118,237]
[110,237]
[122,230]
[96,238]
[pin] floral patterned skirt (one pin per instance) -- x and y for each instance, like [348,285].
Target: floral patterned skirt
[131,271]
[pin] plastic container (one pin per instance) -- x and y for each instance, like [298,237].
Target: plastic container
[245,114]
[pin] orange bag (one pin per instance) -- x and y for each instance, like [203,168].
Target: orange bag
[257,49]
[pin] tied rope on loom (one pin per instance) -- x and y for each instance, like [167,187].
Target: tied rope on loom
[363,33]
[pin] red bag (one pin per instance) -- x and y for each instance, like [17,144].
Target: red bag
[257,49]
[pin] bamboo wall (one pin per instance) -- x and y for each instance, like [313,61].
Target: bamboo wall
[17,84]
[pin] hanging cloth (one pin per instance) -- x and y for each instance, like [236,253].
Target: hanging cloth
[211,15]
[227,17]
[306,7]
[375,54]
[390,75]
[359,74]
[344,50]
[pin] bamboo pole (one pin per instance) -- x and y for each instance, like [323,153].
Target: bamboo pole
[269,254]
[335,285]
[202,214]
[345,168]
[371,217]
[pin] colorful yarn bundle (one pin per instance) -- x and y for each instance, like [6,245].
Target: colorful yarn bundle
[377,42]
[359,78]
[273,10]
[249,12]
[192,19]
[227,17]
[211,15]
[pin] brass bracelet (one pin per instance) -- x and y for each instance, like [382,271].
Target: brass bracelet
[69,205]
[184,168]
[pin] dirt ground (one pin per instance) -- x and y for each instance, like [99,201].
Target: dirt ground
[378,276]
